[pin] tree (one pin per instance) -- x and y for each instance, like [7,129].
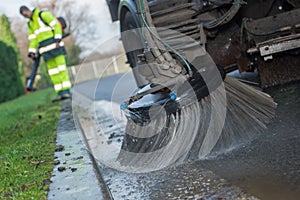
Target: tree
[73,55]
[6,34]
[11,86]
[10,82]
[19,27]
[8,37]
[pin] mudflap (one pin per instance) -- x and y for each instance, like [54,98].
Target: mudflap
[278,71]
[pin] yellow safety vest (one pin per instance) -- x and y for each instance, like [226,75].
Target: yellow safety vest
[43,37]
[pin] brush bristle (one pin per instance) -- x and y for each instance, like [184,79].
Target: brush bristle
[248,111]
[232,114]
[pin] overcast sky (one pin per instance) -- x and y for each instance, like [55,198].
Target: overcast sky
[11,7]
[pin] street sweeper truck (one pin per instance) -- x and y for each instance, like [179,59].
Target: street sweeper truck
[181,53]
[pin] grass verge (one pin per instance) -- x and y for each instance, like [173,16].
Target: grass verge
[27,135]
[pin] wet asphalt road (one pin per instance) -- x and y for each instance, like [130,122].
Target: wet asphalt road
[185,181]
[113,88]
[267,167]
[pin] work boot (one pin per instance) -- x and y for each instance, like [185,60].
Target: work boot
[64,94]
[58,98]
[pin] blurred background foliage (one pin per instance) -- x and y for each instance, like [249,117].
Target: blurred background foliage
[11,68]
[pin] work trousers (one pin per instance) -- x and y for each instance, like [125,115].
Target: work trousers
[58,73]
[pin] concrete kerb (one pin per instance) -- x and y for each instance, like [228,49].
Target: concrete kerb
[76,174]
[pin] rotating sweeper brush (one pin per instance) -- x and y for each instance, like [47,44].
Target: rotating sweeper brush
[185,107]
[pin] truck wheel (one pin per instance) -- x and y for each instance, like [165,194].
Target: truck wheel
[133,45]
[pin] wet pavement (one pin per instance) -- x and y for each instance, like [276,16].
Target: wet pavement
[265,168]
[185,181]
[269,166]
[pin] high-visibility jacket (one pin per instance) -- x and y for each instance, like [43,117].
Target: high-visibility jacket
[43,37]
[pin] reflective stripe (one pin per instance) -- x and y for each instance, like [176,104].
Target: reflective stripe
[42,29]
[53,23]
[57,36]
[62,67]
[50,47]
[47,48]
[32,50]
[66,84]
[57,70]
[57,87]
[53,71]
[32,36]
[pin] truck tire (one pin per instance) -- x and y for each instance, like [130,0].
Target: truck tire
[133,45]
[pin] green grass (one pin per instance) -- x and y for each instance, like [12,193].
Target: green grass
[27,136]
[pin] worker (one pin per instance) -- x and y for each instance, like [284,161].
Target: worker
[45,38]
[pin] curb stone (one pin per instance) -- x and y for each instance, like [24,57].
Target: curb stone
[74,175]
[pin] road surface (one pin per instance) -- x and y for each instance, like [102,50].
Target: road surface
[267,167]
